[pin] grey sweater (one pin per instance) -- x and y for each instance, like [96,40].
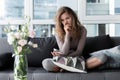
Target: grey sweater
[72,47]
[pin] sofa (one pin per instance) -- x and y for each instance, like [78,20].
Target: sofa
[45,46]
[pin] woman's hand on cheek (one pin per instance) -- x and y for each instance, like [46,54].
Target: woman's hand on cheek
[67,29]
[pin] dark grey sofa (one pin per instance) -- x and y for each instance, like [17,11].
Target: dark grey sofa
[45,46]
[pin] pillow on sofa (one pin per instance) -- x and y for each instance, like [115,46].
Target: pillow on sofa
[113,57]
[97,43]
[6,60]
[6,51]
[45,46]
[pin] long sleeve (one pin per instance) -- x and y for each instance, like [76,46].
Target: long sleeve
[81,44]
[63,46]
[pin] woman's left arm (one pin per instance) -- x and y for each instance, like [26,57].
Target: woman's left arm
[81,44]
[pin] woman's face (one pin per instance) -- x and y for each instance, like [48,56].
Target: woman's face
[66,20]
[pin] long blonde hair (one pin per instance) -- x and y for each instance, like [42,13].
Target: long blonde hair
[76,25]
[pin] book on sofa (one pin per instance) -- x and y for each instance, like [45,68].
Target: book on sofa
[72,64]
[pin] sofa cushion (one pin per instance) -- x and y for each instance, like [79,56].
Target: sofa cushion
[6,51]
[6,60]
[45,46]
[97,43]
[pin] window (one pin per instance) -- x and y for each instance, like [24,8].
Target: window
[44,9]
[98,16]
[2,33]
[13,9]
[102,13]
[92,29]
[103,7]
[45,30]
[97,8]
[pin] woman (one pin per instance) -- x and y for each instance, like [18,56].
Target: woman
[70,36]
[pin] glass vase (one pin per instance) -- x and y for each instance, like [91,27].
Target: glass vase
[20,67]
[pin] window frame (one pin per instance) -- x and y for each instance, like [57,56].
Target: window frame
[96,18]
[85,19]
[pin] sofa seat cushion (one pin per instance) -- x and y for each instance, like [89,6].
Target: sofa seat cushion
[97,43]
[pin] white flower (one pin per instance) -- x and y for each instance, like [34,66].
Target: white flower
[17,35]
[10,37]
[23,29]
[19,38]
[35,45]
[12,27]
[22,42]
[30,43]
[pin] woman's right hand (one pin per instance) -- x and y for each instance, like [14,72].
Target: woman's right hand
[67,29]
[56,53]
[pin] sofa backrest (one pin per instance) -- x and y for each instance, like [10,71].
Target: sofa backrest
[4,46]
[44,49]
[97,43]
[116,40]
[46,45]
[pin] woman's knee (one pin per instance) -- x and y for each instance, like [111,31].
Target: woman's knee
[93,61]
[96,61]
[48,65]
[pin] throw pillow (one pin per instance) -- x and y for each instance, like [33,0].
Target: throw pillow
[6,51]
[113,57]
[97,43]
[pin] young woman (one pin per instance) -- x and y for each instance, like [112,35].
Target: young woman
[70,36]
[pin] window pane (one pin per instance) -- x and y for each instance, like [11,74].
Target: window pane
[2,33]
[117,7]
[13,9]
[117,29]
[44,30]
[114,29]
[103,7]
[92,29]
[97,7]
[44,9]
[70,3]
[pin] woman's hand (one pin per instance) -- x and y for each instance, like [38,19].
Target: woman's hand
[67,29]
[56,53]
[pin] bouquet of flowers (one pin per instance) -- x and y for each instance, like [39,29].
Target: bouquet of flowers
[18,38]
